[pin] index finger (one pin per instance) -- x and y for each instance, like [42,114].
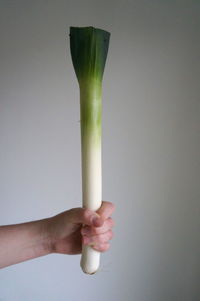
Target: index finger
[106,210]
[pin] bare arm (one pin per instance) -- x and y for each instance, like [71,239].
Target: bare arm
[22,242]
[63,233]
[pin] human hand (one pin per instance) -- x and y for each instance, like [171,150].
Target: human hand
[68,230]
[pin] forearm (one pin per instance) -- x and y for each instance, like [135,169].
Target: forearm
[22,242]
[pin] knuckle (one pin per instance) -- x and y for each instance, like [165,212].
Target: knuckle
[105,247]
[111,205]
[111,222]
[110,234]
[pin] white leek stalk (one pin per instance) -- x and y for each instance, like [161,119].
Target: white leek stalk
[89,47]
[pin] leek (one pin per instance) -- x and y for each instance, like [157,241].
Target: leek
[89,47]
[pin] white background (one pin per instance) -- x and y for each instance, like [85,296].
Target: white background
[151,145]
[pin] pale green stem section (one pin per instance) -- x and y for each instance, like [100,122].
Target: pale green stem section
[90,108]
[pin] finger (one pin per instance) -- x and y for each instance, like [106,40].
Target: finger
[106,210]
[89,230]
[84,216]
[98,239]
[102,247]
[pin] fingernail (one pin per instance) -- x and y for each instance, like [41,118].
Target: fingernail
[95,220]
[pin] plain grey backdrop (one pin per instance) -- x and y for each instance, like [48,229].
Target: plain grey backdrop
[151,145]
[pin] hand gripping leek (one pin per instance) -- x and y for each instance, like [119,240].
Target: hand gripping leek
[89,47]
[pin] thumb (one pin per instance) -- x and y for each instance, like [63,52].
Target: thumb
[85,216]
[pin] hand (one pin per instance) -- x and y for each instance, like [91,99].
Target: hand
[68,230]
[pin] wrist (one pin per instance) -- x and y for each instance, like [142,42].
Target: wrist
[45,234]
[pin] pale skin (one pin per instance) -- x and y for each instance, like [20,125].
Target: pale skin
[63,233]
